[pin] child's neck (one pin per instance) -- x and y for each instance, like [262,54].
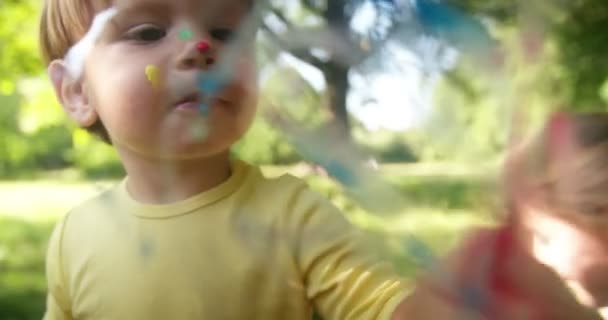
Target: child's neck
[156,181]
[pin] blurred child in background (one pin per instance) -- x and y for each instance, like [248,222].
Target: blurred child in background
[557,192]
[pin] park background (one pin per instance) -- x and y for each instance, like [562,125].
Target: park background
[445,166]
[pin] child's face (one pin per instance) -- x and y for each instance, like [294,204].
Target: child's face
[577,254]
[145,67]
[569,227]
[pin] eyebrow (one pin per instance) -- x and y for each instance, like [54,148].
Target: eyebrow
[125,13]
[141,7]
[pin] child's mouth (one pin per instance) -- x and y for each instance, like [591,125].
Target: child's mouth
[195,102]
[189,103]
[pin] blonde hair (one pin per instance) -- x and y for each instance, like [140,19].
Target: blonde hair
[62,24]
[577,187]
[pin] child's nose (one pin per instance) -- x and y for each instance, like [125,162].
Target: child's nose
[197,54]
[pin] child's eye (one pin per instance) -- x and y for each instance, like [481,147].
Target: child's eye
[147,33]
[222,34]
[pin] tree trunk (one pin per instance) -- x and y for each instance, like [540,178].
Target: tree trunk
[337,90]
[336,74]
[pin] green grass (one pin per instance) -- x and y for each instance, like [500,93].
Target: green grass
[440,207]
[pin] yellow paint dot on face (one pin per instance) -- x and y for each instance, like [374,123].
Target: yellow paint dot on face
[153,75]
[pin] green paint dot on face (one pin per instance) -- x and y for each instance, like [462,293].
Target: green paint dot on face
[185,34]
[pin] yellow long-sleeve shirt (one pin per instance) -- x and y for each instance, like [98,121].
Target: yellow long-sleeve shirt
[251,248]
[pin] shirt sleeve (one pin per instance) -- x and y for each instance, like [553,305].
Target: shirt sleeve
[58,302]
[343,278]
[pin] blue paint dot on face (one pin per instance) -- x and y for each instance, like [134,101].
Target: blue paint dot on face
[210,83]
[210,86]
[203,108]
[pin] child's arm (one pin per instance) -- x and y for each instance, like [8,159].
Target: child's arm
[342,277]
[345,281]
[517,287]
[58,302]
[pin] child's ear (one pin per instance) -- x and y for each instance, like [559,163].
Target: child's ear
[72,94]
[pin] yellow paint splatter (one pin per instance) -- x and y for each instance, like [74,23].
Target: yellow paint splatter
[153,75]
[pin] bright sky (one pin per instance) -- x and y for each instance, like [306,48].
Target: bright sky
[393,100]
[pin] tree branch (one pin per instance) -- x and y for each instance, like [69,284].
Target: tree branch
[301,53]
[310,5]
[281,17]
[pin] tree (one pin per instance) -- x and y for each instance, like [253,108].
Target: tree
[576,29]
[394,24]
[583,41]
[18,42]
[342,48]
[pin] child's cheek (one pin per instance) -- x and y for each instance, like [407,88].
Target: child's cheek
[247,73]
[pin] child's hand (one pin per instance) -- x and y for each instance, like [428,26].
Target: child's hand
[491,277]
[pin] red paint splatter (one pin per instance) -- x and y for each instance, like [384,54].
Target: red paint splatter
[203,46]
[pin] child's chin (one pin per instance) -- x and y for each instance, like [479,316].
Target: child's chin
[185,155]
[192,151]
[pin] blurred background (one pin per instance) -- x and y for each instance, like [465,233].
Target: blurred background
[428,93]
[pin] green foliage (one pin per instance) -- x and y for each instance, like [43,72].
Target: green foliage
[32,135]
[18,44]
[22,284]
[501,10]
[94,157]
[264,145]
[291,95]
[463,127]
[385,146]
[286,93]
[10,145]
[583,44]
[39,107]
[26,150]
[576,30]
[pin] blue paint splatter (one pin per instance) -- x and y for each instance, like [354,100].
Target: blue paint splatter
[340,172]
[146,248]
[203,109]
[210,83]
[420,252]
[474,297]
[438,17]
[453,25]
[471,294]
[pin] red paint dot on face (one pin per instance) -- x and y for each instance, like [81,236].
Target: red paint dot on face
[203,46]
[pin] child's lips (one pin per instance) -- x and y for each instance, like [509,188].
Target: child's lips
[193,102]
[190,102]
[188,106]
